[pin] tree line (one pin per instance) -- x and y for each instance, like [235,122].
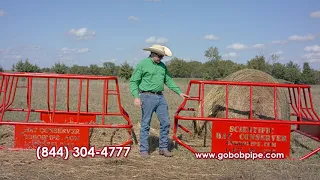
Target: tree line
[214,68]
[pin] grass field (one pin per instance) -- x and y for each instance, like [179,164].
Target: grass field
[183,165]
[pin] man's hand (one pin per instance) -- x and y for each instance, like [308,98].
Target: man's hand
[137,102]
[184,95]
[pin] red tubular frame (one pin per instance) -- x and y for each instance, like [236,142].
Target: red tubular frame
[14,77]
[300,110]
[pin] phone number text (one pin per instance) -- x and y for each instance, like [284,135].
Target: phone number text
[82,152]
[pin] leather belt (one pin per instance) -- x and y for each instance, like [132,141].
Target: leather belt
[150,92]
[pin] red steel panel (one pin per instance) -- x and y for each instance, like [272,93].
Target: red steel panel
[68,118]
[251,137]
[31,137]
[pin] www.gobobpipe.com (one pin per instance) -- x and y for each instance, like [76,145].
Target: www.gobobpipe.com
[239,155]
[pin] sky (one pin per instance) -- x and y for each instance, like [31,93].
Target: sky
[97,31]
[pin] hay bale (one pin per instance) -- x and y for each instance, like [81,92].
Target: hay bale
[239,99]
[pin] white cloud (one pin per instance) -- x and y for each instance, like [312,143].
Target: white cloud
[277,53]
[153,39]
[210,37]
[11,53]
[82,33]
[4,51]
[133,18]
[314,48]
[281,42]
[295,37]
[31,47]
[65,51]
[15,51]
[237,46]
[2,13]
[109,60]
[308,37]
[315,14]
[187,59]
[65,57]
[259,46]
[230,55]
[75,50]
[112,60]
[312,57]
[83,50]
[67,54]
[13,57]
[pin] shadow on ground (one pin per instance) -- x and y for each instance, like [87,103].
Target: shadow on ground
[154,144]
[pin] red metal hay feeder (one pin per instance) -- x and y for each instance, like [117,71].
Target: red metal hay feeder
[60,123]
[307,121]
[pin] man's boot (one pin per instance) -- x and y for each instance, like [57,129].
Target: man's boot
[165,153]
[144,155]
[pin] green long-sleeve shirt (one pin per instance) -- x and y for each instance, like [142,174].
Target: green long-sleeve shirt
[150,76]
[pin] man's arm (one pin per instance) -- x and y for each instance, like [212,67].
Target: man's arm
[170,83]
[135,81]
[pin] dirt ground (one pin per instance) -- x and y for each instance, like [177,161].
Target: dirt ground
[183,165]
[24,165]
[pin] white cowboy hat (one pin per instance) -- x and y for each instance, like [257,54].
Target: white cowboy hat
[159,49]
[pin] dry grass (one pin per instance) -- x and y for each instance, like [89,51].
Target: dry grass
[23,164]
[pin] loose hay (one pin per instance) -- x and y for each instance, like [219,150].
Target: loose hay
[6,136]
[239,99]
[100,137]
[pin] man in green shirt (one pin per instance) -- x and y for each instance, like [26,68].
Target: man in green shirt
[146,86]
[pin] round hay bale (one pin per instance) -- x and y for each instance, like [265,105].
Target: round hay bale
[239,99]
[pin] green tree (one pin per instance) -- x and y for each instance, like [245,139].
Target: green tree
[278,70]
[226,67]
[308,74]
[76,69]
[209,71]
[274,58]
[59,68]
[25,66]
[178,68]
[18,67]
[259,63]
[194,69]
[212,54]
[94,69]
[317,77]
[125,71]
[292,72]
[45,69]
[110,69]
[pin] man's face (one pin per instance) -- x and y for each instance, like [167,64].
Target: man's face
[157,58]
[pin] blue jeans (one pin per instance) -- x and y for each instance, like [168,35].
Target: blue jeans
[154,103]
